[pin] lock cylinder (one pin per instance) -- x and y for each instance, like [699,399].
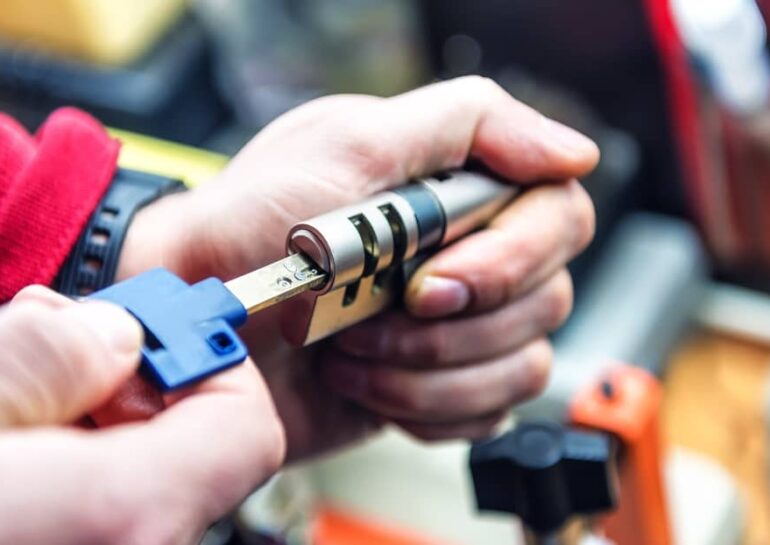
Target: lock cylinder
[390,228]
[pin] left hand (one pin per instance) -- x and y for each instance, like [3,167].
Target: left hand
[474,340]
[164,480]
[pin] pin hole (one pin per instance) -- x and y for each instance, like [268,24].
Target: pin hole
[221,342]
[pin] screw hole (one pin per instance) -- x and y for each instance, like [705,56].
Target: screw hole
[222,343]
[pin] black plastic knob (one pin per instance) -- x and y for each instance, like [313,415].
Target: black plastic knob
[545,474]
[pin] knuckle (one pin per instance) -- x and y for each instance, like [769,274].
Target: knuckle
[502,273]
[508,286]
[559,300]
[402,391]
[539,356]
[276,439]
[29,293]
[481,86]
[487,428]
[324,110]
[583,215]
[428,347]
[437,345]
[371,159]
[368,153]
[414,400]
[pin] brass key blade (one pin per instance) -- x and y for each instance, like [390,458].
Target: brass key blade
[276,282]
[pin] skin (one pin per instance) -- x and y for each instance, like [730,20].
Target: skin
[472,341]
[159,481]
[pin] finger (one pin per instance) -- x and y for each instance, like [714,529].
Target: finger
[42,295]
[354,146]
[439,126]
[444,395]
[136,399]
[58,363]
[527,243]
[54,473]
[162,481]
[410,342]
[434,128]
[473,430]
[317,420]
[231,427]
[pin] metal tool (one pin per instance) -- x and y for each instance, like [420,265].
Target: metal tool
[342,267]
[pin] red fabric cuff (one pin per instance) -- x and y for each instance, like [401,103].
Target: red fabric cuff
[49,185]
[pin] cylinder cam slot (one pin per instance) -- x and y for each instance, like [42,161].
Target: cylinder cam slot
[369,241]
[398,229]
[351,292]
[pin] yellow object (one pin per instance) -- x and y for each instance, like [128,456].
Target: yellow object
[191,165]
[103,31]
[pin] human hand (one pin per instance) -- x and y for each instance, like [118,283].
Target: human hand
[159,481]
[473,342]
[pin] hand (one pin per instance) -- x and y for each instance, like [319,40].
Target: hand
[160,481]
[473,342]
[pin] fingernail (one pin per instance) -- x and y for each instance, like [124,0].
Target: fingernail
[347,380]
[568,138]
[438,296]
[112,324]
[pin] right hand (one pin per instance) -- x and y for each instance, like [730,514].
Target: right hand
[474,341]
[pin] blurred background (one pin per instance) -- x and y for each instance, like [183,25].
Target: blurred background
[676,93]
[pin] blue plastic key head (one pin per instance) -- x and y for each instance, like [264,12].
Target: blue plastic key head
[189,330]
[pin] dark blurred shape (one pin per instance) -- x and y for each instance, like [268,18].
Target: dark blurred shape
[601,50]
[169,93]
[545,474]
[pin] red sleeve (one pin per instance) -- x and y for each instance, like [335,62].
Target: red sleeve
[49,185]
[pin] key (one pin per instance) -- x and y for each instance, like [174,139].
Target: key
[342,267]
[189,331]
[276,282]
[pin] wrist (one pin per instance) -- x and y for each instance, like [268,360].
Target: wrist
[156,238]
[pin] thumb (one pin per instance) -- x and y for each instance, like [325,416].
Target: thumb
[60,362]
